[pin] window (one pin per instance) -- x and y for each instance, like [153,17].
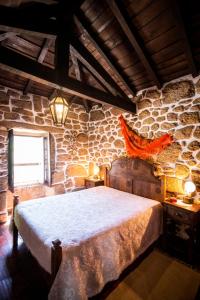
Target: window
[28,157]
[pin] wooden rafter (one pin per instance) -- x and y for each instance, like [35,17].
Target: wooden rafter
[95,40]
[12,20]
[40,59]
[182,30]
[134,38]
[28,68]
[78,74]
[95,68]
[6,35]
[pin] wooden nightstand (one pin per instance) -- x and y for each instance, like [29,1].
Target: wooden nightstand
[89,183]
[181,230]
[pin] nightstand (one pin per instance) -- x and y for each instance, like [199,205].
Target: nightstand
[181,230]
[89,182]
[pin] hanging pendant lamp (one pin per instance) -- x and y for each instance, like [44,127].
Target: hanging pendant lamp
[59,108]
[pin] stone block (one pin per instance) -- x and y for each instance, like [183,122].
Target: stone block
[82,151]
[11,116]
[3,183]
[187,155]
[4,108]
[195,174]
[82,138]
[76,170]
[145,113]
[196,133]
[144,103]
[172,117]
[83,117]
[39,120]
[160,119]
[119,144]
[196,101]
[155,127]
[157,103]
[170,154]
[198,155]
[37,103]
[96,115]
[79,182]
[193,146]
[182,171]
[149,121]
[189,118]
[184,133]
[173,92]
[22,104]
[58,177]
[72,115]
[174,185]
[167,126]
[153,94]
[155,113]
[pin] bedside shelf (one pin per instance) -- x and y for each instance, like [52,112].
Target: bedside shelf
[89,182]
[181,231]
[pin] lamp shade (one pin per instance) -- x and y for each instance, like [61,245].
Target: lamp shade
[59,109]
[189,187]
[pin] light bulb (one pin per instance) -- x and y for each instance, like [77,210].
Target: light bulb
[189,187]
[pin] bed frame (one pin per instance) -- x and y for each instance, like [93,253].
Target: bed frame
[134,176]
[137,177]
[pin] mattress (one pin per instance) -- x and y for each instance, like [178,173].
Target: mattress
[102,231]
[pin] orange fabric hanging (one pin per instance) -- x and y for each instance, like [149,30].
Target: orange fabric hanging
[137,146]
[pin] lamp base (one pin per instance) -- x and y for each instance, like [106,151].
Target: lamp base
[188,200]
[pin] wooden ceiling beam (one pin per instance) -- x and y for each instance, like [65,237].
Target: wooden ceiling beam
[134,38]
[81,20]
[78,75]
[95,68]
[183,33]
[40,59]
[25,67]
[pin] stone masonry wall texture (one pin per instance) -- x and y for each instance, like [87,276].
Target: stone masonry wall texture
[68,144]
[96,137]
[175,109]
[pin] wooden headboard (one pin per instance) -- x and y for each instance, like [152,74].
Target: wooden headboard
[137,177]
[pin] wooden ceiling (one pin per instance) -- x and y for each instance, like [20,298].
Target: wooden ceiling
[101,51]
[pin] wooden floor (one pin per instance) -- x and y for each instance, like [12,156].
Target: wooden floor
[21,278]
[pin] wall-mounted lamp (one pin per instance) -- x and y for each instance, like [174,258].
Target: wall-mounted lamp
[59,109]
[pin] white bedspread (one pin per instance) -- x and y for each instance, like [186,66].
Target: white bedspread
[102,231]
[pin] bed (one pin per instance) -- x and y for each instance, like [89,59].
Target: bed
[96,233]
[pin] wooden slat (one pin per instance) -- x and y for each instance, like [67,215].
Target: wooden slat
[40,59]
[102,50]
[134,39]
[44,75]
[78,75]
[6,35]
[95,68]
[182,30]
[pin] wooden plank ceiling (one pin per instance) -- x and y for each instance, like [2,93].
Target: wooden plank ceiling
[101,51]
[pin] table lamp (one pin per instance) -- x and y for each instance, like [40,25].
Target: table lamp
[189,188]
[96,172]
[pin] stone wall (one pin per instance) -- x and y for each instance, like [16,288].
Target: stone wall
[174,109]
[68,145]
[96,137]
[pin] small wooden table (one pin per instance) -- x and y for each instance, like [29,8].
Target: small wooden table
[90,182]
[181,230]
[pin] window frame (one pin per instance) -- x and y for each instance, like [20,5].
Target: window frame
[46,148]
